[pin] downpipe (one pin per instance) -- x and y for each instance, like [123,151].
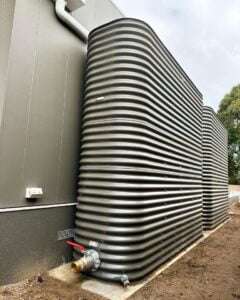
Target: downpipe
[69,20]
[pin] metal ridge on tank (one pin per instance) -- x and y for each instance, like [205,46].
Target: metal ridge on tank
[215,170]
[140,183]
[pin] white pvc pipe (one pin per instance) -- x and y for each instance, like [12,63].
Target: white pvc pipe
[23,208]
[67,18]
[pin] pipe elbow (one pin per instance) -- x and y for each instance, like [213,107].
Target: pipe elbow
[69,20]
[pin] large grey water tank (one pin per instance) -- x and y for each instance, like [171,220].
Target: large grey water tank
[215,170]
[140,189]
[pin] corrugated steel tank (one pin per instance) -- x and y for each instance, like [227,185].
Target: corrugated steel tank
[215,170]
[140,186]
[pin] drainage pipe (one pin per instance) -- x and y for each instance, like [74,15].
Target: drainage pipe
[69,20]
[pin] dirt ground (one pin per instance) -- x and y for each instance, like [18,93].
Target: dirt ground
[45,288]
[209,271]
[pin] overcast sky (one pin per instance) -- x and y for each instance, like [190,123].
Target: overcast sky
[203,35]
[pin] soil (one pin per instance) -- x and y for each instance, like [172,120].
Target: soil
[210,271]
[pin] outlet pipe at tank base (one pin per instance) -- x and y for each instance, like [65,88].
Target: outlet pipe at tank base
[90,262]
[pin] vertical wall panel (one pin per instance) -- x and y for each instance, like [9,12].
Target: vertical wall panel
[6,24]
[17,93]
[42,107]
[140,189]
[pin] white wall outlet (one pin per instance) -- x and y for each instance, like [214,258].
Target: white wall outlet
[34,193]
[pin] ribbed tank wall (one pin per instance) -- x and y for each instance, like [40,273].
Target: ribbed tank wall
[140,185]
[215,170]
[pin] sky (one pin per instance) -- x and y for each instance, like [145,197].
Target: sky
[203,36]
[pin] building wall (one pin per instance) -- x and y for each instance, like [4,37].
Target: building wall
[42,67]
[30,242]
[41,107]
[101,12]
[6,23]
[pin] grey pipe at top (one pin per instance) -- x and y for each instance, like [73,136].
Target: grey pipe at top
[68,19]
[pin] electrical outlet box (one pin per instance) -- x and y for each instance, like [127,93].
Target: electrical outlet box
[75,4]
[34,193]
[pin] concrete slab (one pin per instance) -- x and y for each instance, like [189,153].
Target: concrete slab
[115,291]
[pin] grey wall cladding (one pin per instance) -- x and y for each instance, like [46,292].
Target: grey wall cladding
[215,170]
[140,192]
[30,243]
[40,107]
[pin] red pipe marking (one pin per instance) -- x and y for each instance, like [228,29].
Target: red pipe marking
[76,245]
